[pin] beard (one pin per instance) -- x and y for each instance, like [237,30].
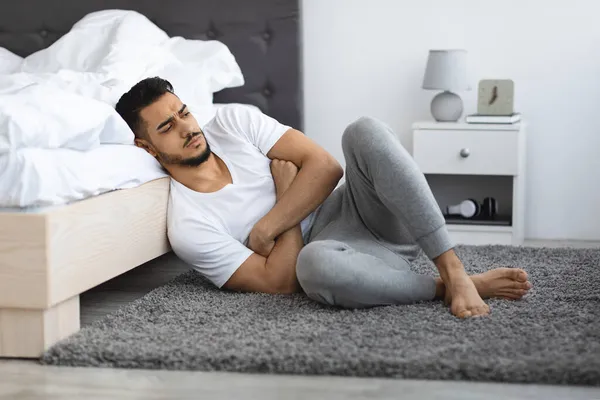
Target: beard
[196,161]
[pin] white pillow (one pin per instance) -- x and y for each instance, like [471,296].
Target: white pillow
[9,62]
[45,117]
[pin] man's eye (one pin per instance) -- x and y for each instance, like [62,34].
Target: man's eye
[186,114]
[167,130]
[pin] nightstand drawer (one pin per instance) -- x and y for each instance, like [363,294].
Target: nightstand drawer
[484,152]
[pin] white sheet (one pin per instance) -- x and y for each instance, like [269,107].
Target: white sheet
[36,177]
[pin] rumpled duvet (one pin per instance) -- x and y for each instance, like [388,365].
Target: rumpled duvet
[64,96]
[61,139]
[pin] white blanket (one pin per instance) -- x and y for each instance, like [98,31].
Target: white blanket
[40,116]
[9,62]
[64,96]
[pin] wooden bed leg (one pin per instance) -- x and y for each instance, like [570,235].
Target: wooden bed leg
[27,333]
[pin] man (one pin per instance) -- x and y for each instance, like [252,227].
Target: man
[253,208]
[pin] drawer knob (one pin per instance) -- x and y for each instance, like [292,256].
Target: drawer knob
[464,153]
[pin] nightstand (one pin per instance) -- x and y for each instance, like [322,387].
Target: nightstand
[462,161]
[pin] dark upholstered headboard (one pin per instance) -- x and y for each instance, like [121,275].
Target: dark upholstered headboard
[263,35]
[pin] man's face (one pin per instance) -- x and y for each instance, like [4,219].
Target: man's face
[174,136]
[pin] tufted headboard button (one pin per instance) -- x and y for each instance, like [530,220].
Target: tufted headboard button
[44,33]
[267,92]
[266,36]
[211,34]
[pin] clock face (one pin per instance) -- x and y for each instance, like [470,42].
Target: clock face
[495,97]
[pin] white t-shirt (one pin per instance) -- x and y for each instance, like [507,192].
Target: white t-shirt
[210,230]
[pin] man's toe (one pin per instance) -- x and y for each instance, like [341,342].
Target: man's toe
[480,311]
[519,275]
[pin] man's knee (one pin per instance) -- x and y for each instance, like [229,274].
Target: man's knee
[365,133]
[310,265]
[316,268]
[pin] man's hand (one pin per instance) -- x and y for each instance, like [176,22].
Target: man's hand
[284,173]
[260,240]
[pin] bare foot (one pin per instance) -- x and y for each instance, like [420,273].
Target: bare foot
[506,283]
[503,283]
[463,297]
[464,293]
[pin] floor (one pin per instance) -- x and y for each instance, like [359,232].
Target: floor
[26,379]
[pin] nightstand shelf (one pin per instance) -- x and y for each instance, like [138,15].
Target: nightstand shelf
[462,161]
[499,220]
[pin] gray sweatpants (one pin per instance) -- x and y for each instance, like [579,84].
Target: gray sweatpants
[369,230]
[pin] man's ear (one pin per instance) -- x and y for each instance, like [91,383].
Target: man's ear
[144,144]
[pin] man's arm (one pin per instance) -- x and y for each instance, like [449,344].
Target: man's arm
[273,274]
[319,173]
[277,272]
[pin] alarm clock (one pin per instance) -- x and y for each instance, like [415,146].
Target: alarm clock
[496,97]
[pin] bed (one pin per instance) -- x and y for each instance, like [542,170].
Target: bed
[50,255]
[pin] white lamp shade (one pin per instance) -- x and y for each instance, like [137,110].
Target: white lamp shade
[446,70]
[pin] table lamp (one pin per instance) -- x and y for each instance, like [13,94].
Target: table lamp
[447,71]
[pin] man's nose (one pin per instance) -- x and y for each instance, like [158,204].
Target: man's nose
[186,129]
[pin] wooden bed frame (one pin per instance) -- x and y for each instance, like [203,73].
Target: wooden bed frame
[48,258]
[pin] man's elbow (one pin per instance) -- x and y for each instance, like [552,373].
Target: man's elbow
[282,280]
[333,167]
[289,287]
[285,286]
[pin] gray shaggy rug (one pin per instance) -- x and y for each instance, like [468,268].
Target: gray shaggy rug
[550,336]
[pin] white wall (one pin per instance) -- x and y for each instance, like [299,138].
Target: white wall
[367,57]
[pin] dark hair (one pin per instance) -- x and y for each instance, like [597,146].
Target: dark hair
[141,95]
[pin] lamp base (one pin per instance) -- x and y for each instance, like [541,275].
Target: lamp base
[446,107]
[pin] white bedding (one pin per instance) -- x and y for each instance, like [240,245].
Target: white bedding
[61,139]
[64,96]
[9,62]
[37,177]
